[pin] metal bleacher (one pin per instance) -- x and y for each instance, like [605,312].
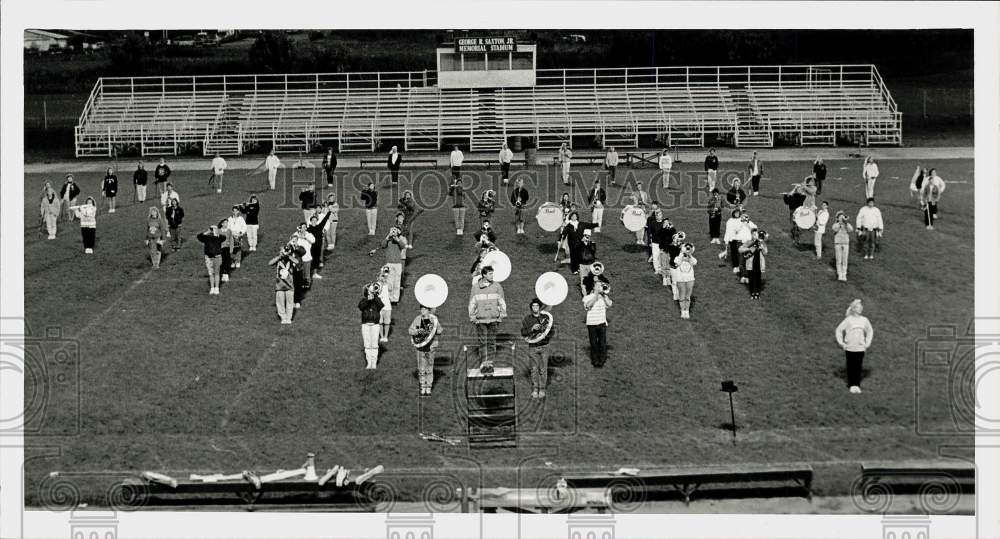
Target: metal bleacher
[749,106]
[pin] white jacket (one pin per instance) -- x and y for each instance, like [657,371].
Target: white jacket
[506,155]
[870,218]
[456,158]
[219,164]
[272,162]
[666,162]
[611,159]
[870,171]
[822,217]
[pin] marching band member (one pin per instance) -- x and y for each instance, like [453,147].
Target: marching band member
[487,205]
[251,209]
[588,255]
[237,226]
[597,198]
[109,189]
[272,164]
[802,195]
[87,214]
[393,162]
[808,188]
[393,245]
[284,283]
[139,180]
[567,207]
[733,239]
[538,362]
[487,308]
[331,225]
[930,194]
[505,156]
[654,223]
[456,190]
[160,176]
[49,209]
[822,218]
[671,251]
[156,232]
[917,182]
[819,172]
[736,195]
[870,226]
[408,207]
[227,250]
[305,241]
[754,251]
[369,197]
[870,173]
[611,164]
[307,198]
[640,199]
[218,169]
[565,157]
[427,323]
[596,304]
[755,169]
[315,229]
[518,199]
[67,195]
[854,334]
[596,275]
[168,195]
[715,216]
[329,166]
[175,218]
[666,163]
[842,231]
[711,168]
[384,315]
[666,239]
[370,307]
[485,236]
[404,231]
[684,277]
[572,236]
[455,160]
[212,241]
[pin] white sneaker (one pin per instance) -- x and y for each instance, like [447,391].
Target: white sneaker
[236,265]
[930,227]
[459,233]
[298,305]
[211,291]
[112,210]
[88,251]
[328,248]
[218,190]
[52,237]
[317,276]
[225,277]
[736,270]
[383,339]
[855,389]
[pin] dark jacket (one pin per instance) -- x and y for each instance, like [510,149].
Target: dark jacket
[370,309]
[574,234]
[598,194]
[161,173]
[308,199]
[819,169]
[74,190]
[519,197]
[175,216]
[252,212]
[330,163]
[653,228]
[317,232]
[490,235]
[735,196]
[666,236]
[588,282]
[530,321]
[140,176]
[711,163]
[213,244]
[369,198]
[588,253]
[391,165]
[110,185]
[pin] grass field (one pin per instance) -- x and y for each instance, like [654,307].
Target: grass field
[171,379]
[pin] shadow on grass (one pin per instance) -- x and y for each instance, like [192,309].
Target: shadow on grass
[633,248]
[547,248]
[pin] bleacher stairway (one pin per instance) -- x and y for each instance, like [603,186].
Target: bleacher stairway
[751,130]
[487,133]
[223,135]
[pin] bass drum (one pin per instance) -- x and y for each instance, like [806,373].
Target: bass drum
[549,217]
[634,218]
[804,218]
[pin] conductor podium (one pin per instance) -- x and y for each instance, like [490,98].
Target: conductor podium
[492,410]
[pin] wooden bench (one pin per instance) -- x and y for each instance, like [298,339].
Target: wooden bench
[292,492]
[589,159]
[687,480]
[406,161]
[489,500]
[915,474]
[493,162]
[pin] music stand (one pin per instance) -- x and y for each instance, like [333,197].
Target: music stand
[730,387]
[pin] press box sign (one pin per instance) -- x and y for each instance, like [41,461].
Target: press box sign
[485,44]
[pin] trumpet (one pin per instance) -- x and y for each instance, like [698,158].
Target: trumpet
[605,288]
[597,268]
[688,249]
[374,288]
[385,271]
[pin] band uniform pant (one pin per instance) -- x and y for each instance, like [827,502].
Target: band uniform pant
[930,213]
[734,253]
[841,251]
[371,214]
[538,367]
[712,178]
[370,337]
[855,361]
[395,278]
[505,171]
[252,231]
[611,174]
[597,216]
[714,226]
[459,218]
[89,234]
[331,235]
[486,335]
[50,224]
[654,249]
[284,300]
[755,183]
[598,335]
[425,368]
[140,193]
